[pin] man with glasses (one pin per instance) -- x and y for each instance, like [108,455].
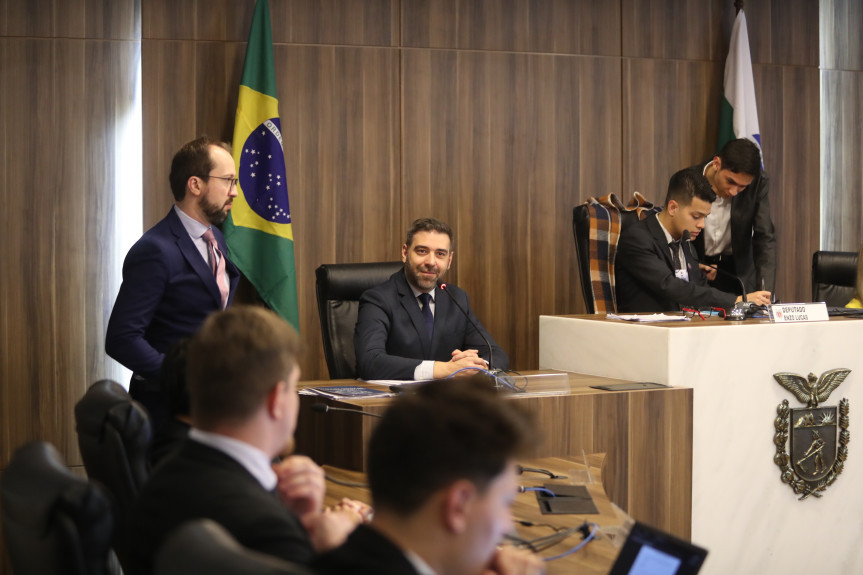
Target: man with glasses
[178,272]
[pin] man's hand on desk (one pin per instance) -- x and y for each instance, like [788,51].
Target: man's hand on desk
[329,529]
[709,272]
[460,360]
[511,561]
[301,485]
[756,297]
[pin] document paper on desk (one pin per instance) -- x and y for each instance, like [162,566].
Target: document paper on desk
[652,318]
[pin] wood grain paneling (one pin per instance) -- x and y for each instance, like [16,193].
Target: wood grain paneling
[171,20]
[115,20]
[782,32]
[339,112]
[554,26]
[33,19]
[841,25]
[675,29]
[841,169]
[502,146]
[670,118]
[169,80]
[788,101]
[366,23]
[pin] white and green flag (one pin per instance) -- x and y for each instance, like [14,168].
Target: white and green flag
[739,116]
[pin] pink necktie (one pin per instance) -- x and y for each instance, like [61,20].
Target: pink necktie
[215,255]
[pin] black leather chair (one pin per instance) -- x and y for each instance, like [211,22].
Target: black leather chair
[834,275]
[114,435]
[204,546]
[54,521]
[581,234]
[338,288]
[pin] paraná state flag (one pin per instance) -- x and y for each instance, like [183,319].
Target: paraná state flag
[739,116]
[258,230]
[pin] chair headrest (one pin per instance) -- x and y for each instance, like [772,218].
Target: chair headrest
[349,281]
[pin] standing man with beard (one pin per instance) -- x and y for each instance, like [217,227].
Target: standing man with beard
[407,328]
[178,272]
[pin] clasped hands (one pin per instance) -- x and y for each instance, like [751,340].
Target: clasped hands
[301,487]
[460,360]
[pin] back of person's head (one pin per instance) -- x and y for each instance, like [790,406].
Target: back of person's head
[688,184]
[741,156]
[193,159]
[449,430]
[235,360]
[172,379]
[428,225]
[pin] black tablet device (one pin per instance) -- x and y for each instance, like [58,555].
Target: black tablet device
[649,551]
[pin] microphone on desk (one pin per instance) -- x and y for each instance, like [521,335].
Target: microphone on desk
[491,368]
[743,306]
[324,408]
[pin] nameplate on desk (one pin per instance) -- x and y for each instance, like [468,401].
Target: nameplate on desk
[798,312]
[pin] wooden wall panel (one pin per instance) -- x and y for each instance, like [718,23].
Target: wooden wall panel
[788,98]
[554,26]
[169,107]
[675,29]
[670,121]
[842,171]
[841,25]
[339,112]
[483,150]
[782,32]
[366,23]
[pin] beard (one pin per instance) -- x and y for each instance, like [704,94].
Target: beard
[216,214]
[422,282]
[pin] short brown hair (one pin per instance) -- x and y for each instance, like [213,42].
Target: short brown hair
[235,360]
[447,431]
[193,159]
[428,225]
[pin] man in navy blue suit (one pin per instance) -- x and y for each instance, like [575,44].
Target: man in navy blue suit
[173,278]
[407,328]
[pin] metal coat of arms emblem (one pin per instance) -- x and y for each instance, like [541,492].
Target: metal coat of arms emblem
[819,434]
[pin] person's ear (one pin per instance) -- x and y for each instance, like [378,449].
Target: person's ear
[276,407]
[457,504]
[672,207]
[404,252]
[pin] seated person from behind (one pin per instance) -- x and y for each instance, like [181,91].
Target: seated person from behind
[242,374]
[857,302]
[442,473]
[172,380]
[400,337]
[655,271]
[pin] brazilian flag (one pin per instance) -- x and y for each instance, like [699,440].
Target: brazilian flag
[258,229]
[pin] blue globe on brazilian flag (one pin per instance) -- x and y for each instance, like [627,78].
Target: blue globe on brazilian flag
[258,229]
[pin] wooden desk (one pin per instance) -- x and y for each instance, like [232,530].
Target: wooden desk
[646,436]
[595,558]
[742,513]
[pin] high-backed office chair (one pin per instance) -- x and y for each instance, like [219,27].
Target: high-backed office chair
[204,546]
[54,521]
[114,435]
[338,288]
[596,227]
[834,276]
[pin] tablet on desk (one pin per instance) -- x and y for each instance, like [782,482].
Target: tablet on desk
[631,386]
[649,551]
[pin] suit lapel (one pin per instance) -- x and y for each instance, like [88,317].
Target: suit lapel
[193,257]
[660,241]
[412,307]
[442,306]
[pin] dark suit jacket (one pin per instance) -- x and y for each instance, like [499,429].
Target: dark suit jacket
[167,292]
[644,274]
[753,239]
[201,482]
[366,552]
[390,338]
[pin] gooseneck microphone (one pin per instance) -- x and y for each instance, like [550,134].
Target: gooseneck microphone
[324,408]
[491,367]
[743,305]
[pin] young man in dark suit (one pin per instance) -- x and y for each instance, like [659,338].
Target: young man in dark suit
[172,278]
[739,237]
[655,268]
[407,328]
[442,472]
[242,374]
